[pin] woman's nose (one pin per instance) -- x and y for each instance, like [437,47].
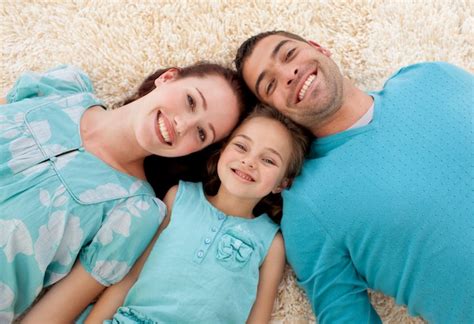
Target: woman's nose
[183,123]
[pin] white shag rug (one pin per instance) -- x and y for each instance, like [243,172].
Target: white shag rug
[119,42]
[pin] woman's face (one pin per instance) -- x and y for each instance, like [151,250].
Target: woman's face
[182,116]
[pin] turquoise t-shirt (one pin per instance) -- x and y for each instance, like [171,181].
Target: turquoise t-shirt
[57,201]
[204,267]
[389,206]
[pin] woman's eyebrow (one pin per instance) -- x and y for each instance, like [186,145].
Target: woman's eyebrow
[204,103]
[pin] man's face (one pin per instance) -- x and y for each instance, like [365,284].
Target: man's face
[297,78]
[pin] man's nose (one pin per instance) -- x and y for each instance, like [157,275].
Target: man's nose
[289,75]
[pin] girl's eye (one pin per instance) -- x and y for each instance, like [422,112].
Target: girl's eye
[202,134]
[240,147]
[268,161]
[289,54]
[191,102]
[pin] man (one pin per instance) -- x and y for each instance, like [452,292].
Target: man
[385,197]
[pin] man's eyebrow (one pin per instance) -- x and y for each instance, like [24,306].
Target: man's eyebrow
[204,103]
[272,56]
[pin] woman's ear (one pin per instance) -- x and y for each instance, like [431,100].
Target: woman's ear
[284,183]
[169,75]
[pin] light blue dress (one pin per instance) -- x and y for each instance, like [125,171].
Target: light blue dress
[204,267]
[57,201]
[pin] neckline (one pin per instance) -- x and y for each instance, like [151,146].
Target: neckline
[327,143]
[220,212]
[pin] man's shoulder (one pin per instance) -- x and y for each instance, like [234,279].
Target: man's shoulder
[426,68]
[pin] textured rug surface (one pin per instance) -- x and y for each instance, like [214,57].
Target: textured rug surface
[119,42]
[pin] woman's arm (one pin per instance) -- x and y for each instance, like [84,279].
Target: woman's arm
[114,296]
[3,100]
[66,299]
[271,273]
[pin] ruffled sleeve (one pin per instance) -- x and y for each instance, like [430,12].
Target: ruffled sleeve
[62,80]
[124,234]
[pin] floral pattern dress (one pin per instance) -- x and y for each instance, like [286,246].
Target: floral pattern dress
[58,202]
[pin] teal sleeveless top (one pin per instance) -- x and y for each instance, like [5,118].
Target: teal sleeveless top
[204,268]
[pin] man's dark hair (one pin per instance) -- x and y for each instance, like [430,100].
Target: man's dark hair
[247,47]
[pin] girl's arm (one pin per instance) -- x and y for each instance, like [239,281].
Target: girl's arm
[3,100]
[66,299]
[114,296]
[271,273]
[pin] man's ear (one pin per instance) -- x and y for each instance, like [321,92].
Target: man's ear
[284,183]
[323,50]
[169,75]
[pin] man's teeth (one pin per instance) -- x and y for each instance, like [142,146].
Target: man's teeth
[305,87]
[163,130]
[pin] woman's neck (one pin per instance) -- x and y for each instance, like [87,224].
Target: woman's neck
[233,205]
[108,134]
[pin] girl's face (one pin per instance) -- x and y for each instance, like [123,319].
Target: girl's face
[255,160]
[182,116]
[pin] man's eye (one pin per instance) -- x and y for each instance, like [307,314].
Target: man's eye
[270,87]
[191,102]
[202,134]
[289,54]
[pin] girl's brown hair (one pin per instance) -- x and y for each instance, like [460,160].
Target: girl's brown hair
[161,172]
[300,141]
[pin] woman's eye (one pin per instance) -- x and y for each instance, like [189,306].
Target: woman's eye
[289,54]
[191,102]
[202,134]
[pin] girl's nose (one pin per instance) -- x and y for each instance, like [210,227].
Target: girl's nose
[248,162]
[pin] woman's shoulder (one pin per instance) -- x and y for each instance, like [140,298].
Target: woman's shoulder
[61,80]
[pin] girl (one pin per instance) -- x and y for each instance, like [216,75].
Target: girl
[217,260]
[72,182]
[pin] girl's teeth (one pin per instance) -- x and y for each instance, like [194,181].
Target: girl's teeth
[305,87]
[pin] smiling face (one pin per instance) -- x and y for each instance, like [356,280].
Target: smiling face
[184,115]
[255,161]
[296,77]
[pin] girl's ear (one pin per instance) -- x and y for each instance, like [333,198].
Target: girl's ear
[169,75]
[284,183]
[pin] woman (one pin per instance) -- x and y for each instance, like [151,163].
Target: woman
[72,182]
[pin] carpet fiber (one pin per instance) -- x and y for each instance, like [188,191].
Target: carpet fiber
[118,43]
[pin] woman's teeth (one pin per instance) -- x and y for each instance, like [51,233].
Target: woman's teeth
[306,85]
[163,130]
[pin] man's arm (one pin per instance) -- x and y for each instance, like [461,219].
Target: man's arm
[324,269]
